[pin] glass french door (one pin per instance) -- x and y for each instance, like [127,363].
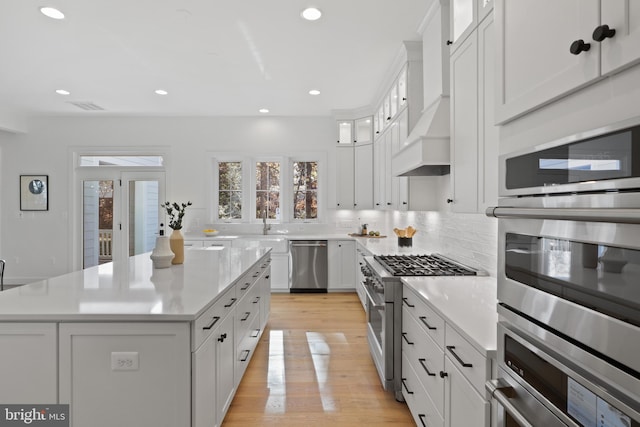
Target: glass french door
[120,213]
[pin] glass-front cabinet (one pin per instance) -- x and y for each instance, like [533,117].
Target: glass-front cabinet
[363,130]
[345,132]
[402,88]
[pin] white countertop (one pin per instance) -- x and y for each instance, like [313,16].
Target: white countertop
[132,290]
[467,303]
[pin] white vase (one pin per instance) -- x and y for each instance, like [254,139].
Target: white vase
[162,254]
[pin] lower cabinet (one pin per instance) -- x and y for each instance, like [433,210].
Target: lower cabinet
[341,259]
[361,252]
[117,373]
[443,375]
[33,378]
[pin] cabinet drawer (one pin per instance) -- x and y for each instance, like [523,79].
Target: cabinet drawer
[421,407]
[206,323]
[247,343]
[475,367]
[429,321]
[426,358]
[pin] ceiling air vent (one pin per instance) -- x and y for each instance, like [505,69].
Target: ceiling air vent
[86,106]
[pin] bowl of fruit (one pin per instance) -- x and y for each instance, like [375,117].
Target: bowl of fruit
[210,232]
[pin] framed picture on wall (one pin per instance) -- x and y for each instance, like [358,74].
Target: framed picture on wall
[34,192]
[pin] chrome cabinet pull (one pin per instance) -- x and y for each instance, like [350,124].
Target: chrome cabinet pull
[424,366]
[502,392]
[424,320]
[255,333]
[209,326]
[245,355]
[451,348]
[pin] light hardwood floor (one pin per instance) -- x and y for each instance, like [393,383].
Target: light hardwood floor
[312,368]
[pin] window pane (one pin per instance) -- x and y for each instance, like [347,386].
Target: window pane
[121,161]
[305,190]
[230,190]
[267,189]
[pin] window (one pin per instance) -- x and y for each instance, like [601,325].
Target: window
[305,190]
[268,190]
[230,190]
[281,189]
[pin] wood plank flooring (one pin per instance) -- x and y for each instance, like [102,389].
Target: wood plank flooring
[312,368]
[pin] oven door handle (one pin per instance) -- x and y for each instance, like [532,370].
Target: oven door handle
[615,215]
[503,392]
[370,297]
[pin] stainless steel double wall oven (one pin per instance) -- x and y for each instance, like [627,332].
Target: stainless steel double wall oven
[569,282]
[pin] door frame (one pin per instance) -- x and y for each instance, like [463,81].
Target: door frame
[121,177]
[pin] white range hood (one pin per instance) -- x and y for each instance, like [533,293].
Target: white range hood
[426,150]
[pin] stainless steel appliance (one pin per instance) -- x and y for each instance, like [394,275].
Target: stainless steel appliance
[309,270]
[383,286]
[569,281]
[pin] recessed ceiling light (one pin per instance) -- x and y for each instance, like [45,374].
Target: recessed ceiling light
[314,92]
[264,110]
[52,13]
[162,92]
[62,92]
[311,14]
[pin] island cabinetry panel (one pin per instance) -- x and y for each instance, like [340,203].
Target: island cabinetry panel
[117,373]
[28,355]
[206,323]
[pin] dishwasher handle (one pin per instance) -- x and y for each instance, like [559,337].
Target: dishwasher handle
[308,245]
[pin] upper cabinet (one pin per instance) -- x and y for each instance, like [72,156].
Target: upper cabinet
[547,49]
[345,132]
[354,164]
[464,18]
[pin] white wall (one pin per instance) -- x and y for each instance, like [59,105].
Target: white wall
[38,244]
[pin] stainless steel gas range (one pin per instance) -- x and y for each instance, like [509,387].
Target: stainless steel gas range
[383,286]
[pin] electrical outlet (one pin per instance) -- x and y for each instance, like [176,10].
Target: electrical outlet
[124,361]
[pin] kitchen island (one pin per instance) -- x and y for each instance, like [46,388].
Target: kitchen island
[126,344]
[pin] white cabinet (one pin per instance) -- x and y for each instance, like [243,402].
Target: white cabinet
[361,252]
[363,176]
[341,256]
[345,132]
[205,243]
[354,167]
[142,369]
[443,374]
[474,137]
[344,177]
[28,355]
[536,66]
[623,47]
[225,367]
[280,272]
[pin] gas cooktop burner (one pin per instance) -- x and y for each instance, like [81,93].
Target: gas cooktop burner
[421,265]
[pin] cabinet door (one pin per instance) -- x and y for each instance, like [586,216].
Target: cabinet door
[28,354]
[225,364]
[624,47]
[279,272]
[379,173]
[488,137]
[193,243]
[464,126]
[363,180]
[464,18]
[204,383]
[142,369]
[402,89]
[388,178]
[341,262]
[534,63]
[464,407]
[345,132]
[344,177]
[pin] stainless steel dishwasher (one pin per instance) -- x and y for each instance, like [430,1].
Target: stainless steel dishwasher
[308,265]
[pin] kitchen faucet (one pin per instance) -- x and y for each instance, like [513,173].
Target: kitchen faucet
[265,227]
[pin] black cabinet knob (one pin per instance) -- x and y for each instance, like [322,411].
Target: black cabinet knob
[449,42]
[443,374]
[579,46]
[603,32]
[449,200]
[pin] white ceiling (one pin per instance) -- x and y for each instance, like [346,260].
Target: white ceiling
[214,57]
